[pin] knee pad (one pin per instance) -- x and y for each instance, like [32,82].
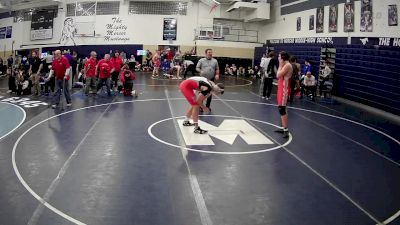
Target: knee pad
[282,110]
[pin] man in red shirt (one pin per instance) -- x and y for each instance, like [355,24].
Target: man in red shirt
[60,68]
[118,63]
[105,67]
[90,73]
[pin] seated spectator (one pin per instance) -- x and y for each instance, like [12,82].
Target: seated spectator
[309,86]
[234,70]
[250,72]
[138,66]
[227,70]
[241,71]
[24,86]
[325,76]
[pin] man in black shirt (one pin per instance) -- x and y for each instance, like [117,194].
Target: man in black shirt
[35,68]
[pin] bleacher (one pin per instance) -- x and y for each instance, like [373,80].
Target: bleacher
[364,74]
[369,75]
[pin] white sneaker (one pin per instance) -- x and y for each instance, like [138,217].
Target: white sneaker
[9,91]
[53,106]
[263,97]
[69,104]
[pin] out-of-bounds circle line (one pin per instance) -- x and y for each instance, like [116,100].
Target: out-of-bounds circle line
[75,221]
[149,131]
[20,122]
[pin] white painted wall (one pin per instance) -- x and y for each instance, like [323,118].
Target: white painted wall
[142,29]
[285,26]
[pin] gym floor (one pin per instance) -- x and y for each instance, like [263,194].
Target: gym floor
[123,160]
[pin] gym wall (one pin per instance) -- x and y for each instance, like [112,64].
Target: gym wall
[284,26]
[146,30]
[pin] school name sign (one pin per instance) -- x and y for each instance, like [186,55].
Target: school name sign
[308,40]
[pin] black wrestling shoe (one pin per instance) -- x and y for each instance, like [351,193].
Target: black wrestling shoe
[187,123]
[198,130]
[281,131]
[285,134]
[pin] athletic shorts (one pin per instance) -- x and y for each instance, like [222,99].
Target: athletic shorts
[188,88]
[283,92]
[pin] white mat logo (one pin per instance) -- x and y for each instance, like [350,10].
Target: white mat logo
[24,102]
[226,132]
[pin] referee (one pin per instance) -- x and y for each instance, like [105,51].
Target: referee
[208,68]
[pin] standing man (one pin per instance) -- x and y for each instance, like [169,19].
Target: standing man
[208,68]
[61,69]
[35,68]
[90,73]
[283,75]
[117,63]
[105,67]
[269,66]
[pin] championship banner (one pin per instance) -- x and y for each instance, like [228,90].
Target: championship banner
[3,32]
[169,29]
[42,25]
[9,32]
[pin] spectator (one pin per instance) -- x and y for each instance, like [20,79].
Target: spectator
[188,66]
[132,62]
[234,70]
[325,76]
[74,66]
[90,73]
[61,69]
[3,68]
[156,63]
[307,67]
[117,63]
[23,83]
[208,67]
[24,64]
[294,80]
[270,66]
[10,61]
[250,72]
[149,56]
[170,55]
[127,77]
[35,69]
[106,68]
[123,57]
[165,65]
[309,85]
[227,70]
[257,72]
[178,64]
[12,87]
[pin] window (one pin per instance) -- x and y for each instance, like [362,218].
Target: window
[158,8]
[93,8]
[26,14]
[107,8]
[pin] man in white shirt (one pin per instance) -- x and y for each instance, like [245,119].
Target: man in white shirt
[309,85]
[325,76]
